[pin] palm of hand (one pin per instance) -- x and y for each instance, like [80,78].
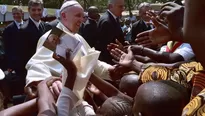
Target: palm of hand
[160,34]
[126,59]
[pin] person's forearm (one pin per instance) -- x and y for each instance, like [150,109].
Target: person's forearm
[194,27]
[104,86]
[136,66]
[162,57]
[25,109]
[143,59]
[46,107]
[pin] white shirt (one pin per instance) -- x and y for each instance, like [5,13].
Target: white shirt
[35,22]
[18,24]
[184,50]
[42,65]
[67,105]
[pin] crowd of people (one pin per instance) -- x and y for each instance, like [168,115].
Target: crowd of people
[151,66]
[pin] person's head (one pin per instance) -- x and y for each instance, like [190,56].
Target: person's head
[71,15]
[143,8]
[116,7]
[17,13]
[35,9]
[116,106]
[160,98]
[129,84]
[93,12]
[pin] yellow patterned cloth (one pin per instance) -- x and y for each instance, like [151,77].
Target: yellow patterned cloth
[182,75]
[196,107]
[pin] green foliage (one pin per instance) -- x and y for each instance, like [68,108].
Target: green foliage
[101,4]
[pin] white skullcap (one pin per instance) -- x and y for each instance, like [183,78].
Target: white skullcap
[68,4]
[2,75]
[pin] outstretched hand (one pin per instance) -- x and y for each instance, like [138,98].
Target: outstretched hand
[160,34]
[123,59]
[70,67]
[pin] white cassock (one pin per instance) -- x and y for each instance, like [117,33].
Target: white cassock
[42,65]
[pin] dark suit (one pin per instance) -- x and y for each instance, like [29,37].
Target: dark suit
[14,51]
[89,32]
[13,46]
[31,34]
[137,28]
[108,30]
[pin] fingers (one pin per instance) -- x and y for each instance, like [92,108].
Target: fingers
[169,4]
[68,52]
[142,38]
[129,50]
[151,14]
[112,46]
[60,85]
[116,53]
[145,33]
[120,44]
[155,22]
[148,41]
[60,59]
[31,94]
[55,89]
[51,80]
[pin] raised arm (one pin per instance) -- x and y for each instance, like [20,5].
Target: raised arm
[194,27]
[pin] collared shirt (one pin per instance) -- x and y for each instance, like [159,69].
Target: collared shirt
[35,22]
[112,15]
[92,19]
[18,24]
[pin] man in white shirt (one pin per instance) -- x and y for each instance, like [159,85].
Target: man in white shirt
[42,65]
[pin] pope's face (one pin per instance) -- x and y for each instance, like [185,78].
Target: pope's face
[74,18]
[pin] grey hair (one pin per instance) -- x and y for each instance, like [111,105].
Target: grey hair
[35,3]
[17,8]
[144,4]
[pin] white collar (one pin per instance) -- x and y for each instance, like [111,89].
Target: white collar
[35,22]
[18,24]
[112,14]
[92,19]
[63,28]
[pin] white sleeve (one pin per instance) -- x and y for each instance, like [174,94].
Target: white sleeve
[101,70]
[185,51]
[42,64]
[66,102]
[67,105]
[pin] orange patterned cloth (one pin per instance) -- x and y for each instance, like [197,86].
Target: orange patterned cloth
[185,75]
[196,107]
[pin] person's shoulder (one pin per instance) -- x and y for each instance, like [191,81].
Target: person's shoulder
[187,45]
[138,22]
[104,17]
[25,25]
